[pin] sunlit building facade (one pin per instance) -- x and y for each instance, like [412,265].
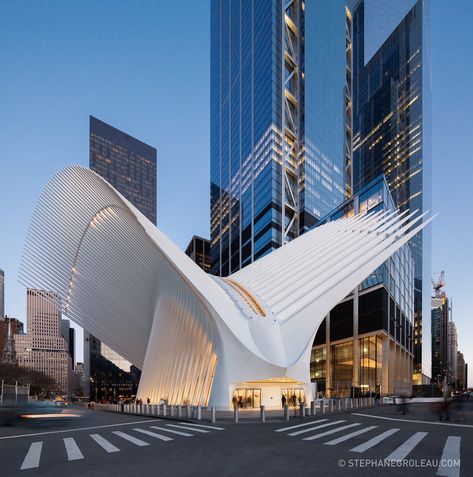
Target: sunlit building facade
[280,123]
[365,344]
[43,348]
[392,131]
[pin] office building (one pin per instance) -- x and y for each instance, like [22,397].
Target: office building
[199,251]
[280,123]
[461,371]
[440,318]
[392,131]
[2,293]
[69,335]
[43,348]
[130,166]
[213,337]
[452,353]
[127,163]
[365,344]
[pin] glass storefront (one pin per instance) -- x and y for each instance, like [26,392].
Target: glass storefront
[247,398]
[342,359]
[370,364]
[294,396]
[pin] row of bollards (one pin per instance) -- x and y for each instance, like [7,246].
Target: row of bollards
[164,410]
[320,406]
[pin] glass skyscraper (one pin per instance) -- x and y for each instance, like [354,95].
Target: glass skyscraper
[280,118]
[127,163]
[391,128]
[130,166]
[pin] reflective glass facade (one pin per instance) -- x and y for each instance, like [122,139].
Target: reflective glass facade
[126,163]
[199,251]
[391,135]
[325,87]
[277,123]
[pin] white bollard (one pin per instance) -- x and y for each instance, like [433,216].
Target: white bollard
[199,413]
[322,405]
[301,409]
[339,405]
[188,411]
[213,415]
[235,414]
[262,414]
[331,405]
[286,412]
[179,411]
[312,408]
[164,409]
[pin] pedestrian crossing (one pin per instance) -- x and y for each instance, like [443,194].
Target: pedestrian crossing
[369,439]
[111,441]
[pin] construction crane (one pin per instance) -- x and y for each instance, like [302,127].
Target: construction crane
[439,284]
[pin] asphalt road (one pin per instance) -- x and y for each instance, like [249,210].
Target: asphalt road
[358,443]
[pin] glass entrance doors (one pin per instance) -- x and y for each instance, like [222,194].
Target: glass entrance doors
[247,398]
[293,396]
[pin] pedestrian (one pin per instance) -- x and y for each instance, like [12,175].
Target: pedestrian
[283,400]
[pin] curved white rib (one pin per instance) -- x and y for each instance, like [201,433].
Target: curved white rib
[195,335]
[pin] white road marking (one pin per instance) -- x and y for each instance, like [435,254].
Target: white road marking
[404,449]
[132,439]
[73,451]
[299,425]
[186,434]
[188,428]
[413,420]
[202,425]
[375,440]
[316,427]
[331,431]
[154,434]
[32,457]
[349,436]
[79,429]
[450,461]
[102,442]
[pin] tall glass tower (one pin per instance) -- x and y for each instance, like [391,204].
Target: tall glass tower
[280,118]
[391,128]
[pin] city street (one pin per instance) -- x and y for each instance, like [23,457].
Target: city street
[360,443]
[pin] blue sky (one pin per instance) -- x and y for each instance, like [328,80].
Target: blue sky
[144,68]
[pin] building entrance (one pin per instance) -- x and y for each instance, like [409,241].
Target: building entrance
[247,398]
[294,396]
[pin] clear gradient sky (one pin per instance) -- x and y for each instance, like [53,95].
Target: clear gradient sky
[144,68]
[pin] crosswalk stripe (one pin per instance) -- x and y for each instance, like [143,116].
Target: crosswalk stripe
[202,425]
[375,440]
[73,451]
[132,439]
[334,423]
[186,434]
[299,425]
[102,442]
[154,434]
[32,457]
[331,431]
[404,449]
[349,436]
[188,428]
[451,452]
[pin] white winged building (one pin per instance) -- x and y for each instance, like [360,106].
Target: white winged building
[196,337]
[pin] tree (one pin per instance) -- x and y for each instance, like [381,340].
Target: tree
[40,384]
